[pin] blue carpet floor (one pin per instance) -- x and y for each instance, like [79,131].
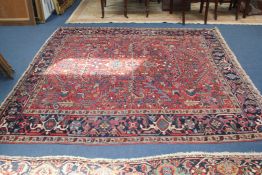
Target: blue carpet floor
[20,44]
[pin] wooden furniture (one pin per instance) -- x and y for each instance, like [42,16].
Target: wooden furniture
[177,5]
[44,9]
[147,7]
[215,10]
[232,3]
[5,67]
[246,8]
[103,4]
[206,10]
[62,5]
[237,4]
[184,5]
[16,12]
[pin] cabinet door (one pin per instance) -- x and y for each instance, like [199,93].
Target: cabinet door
[16,12]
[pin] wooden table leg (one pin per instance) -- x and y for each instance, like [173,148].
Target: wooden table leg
[125,8]
[103,8]
[206,11]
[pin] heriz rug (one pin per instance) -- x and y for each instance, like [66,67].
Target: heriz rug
[180,163]
[133,86]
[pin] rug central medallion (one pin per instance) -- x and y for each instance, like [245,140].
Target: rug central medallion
[103,86]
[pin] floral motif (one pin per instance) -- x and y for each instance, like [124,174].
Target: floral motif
[184,164]
[228,167]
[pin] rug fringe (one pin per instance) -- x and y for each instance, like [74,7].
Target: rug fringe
[164,22]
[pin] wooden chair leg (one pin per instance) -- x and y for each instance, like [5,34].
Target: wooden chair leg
[147,8]
[171,6]
[216,5]
[125,8]
[235,3]
[206,11]
[184,12]
[231,5]
[238,8]
[103,8]
[201,6]
[247,2]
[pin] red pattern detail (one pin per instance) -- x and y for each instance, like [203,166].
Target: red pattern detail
[95,73]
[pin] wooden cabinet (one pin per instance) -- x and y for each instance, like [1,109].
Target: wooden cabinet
[16,12]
